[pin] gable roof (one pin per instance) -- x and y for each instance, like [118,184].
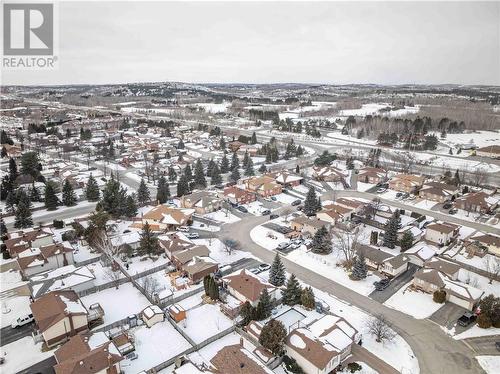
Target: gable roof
[234,359]
[247,284]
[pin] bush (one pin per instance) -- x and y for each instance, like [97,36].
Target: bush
[69,235]
[58,224]
[484,321]
[3,247]
[291,365]
[353,367]
[439,296]
[6,255]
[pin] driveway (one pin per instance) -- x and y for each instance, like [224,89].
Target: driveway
[9,335]
[360,354]
[395,285]
[484,345]
[448,315]
[43,367]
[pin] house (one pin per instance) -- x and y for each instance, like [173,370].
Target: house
[492,151]
[130,239]
[372,175]
[49,257]
[59,315]
[491,242]
[353,204]
[328,174]
[235,359]
[420,253]
[165,218]
[246,286]
[322,346]
[441,233]
[450,269]
[308,226]
[374,257]
[264,186]
[201,201]
[235,145]
[395,266]
[152,314]
[237,195]
[437,191]
[334,213]
[174,242]
[180,258]
[430,280]
[286,179]
[19,241]
[477,202]
[415,231]
[88,354]
[64,278]
[408,183]
[199,267]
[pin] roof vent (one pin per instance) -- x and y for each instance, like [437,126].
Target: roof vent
[242,365]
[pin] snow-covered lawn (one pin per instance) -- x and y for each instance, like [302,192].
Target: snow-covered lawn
[117,303]
[204,321]
[480,139]
[204,355]
[140,264]
[480,282]
[191,301]
[222,216]
[219,253]
[266,238]
[490,364]
[153,346]
[13,308]
[102,274]
[285,198]
[22,354]
[255,207]
[475,331]
[414,303]
[364,186]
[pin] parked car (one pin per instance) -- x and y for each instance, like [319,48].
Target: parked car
[382,284]
[183,228]
[295,245]
[296,202]
[466,319]
[381,190]
[447,205]
[23,320]
[283,245]
[298,241]
[300,207]
[265,212]
[274,216]
[132,356]
[193,235]
[273,198]
[497,346]
[322,306]
[254,271]
[242,209]
[399,194]
[453,211]
[412,197]
[264,267]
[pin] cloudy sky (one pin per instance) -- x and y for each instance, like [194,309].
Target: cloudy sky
[320,42]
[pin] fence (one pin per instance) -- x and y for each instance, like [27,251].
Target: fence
[89,261]
[102,287]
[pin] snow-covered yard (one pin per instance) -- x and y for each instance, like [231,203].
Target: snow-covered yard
[266,238]
[138,265]
[414,303]
[22,354]
[117,303]
[490,364]
[475,331]
[255,207]
[205,354]
[204,321]
[13,308]
[153,346]
[218,251]
[222,216]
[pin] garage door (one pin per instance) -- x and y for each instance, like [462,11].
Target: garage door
[461,302]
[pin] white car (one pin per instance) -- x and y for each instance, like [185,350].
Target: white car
[183,228]
[23,320]
[193,235]
[283,245]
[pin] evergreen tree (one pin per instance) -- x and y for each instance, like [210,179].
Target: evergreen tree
[235,175]
[163,191]
[273,336]
[4,152]
[130,206]
[210,167]
[262,168]
[300,151]
[34,194]
[391,230]
[297,169]
[216,177]
[269,157]
[264,307]
[149,244]
[68,194]
[23,218]
[222,143]
[359,270]
[143,195]
[188,173]
[307,298]
[456,179]
[92,189]
[180,145]
[247,313]
[13,173]
[51,200]
[182,186]
[277,274]
[246,158]
[406,241]
[253,140]
[321,242]
[311,202]
[249,171]
[213,289]
[235,162]
[30,164]
[292,293]
[224,164]
[199,176]
[172,175]
[3,229]
[10,202]
[114,198]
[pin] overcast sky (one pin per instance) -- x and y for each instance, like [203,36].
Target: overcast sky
[333,42]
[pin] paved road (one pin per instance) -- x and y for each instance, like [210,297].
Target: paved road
[436,351]
[9,335]
[484,345]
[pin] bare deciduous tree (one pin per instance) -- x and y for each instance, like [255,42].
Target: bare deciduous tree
[346,244]
[114,275]
[286,213]
[230,245]
[380,328]
[149,284]
[492,267]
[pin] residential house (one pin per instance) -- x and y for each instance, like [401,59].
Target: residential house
[174,242]
[199,267]
[437,191]
[201,201]
[415,231]
[59,315]
[328,174]
[264,186]
[246,286]
[165,218]
[237,195]
[49,257]
[408,183]
[19,241]
[180,258]
[65,278]
[88,354]
[477,202]
[492,151]
[441,233]
[356,205]
[420,253]
[395,266]
[235,359]
[491,242]
[308,226]
[286,179]
[450,269]
[374,257]
[372,175]
[235,145]
[339,213]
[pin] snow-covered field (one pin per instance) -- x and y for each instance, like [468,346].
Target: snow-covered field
[480,139]
[117,303]
[490,364]
[414,303]
[204,322]
[22,354]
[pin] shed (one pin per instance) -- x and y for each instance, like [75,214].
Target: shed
[152,315]
[177,313]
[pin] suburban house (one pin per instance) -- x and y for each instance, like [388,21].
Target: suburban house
[328,174]
[264,186]
[236,359]
[420,253]
[437,191]
[415,231]
[408,183]
[477,202]
[201,201]
[179,258]
[430,280]
[59,315]
[322,346]
[64,278]
[245,286]
[45,258]
[308,226]
[491,242]
[374,257]
[165,218]
[356,205]
[173,242]
[344,213]
[372,175]
[395,266]
[450,269]
[19,241]
[492,151]
[88,354]
[199,267]
[286,179]
[237,195]
[441,233]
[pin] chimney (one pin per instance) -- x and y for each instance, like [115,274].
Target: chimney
[241,341]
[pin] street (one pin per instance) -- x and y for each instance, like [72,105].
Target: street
[9,335]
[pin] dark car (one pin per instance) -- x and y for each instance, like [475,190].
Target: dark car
[242,209]
[265,212]
[382,284]
[466,319]
[497,346]
[274,216]
[300,207]
[447,206]
[296,202]
[453,211]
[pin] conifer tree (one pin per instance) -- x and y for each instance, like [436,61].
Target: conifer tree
[114,198]
[321,242]
[188,173]
[292,293]
[68,194]
[277,276]
[182,186]
[273,336]
[307,298]
[406,241]
[163,191]
[172,175]
[235,175]
[246,158]
[92,189]
[34,194]
[264,307]
[130,206]
[10,202]
[216,177]
[180,145]
[199,176]
[391,230]
[249,171]
[247,313]
[210,167]
[149,243]
[311,202]
[222,143]
[359,270]
[253,140]
[262,168]
[23,218]
[143,195]
[224,164]
[51,200]
[3,229]
[235,162]
[13,173]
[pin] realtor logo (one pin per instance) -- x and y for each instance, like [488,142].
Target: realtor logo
[28,29]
